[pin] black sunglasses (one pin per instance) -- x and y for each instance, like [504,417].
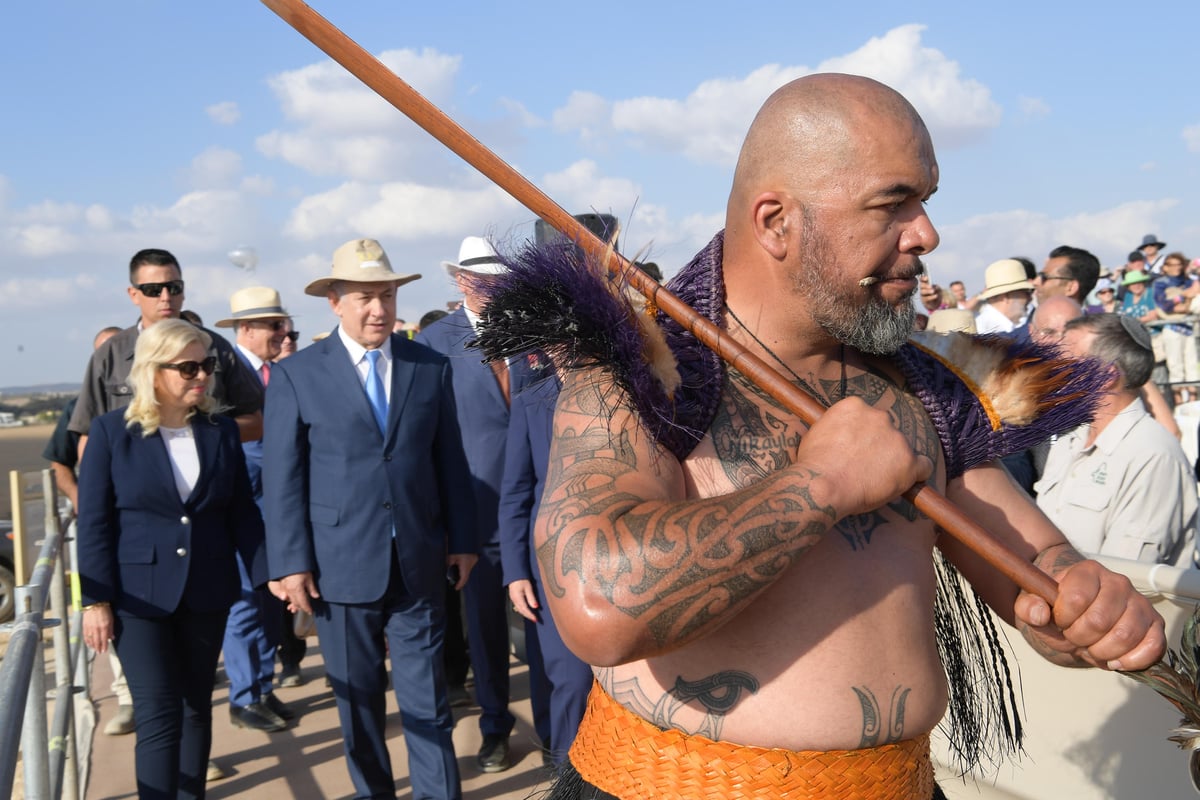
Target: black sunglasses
[1046,277]
[292,336]
[174,288]
[190,369]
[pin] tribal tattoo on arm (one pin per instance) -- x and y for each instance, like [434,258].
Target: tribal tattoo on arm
[715,695]
[679,567]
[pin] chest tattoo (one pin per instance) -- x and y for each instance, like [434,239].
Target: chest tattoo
[753,435]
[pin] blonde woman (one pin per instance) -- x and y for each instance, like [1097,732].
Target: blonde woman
[165,502]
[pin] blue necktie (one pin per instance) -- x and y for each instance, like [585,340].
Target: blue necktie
[375,392]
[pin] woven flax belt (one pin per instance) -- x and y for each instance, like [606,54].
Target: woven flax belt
[626,756]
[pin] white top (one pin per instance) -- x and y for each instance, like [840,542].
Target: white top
[185,461]
[358,357]
[1131,494]
[989,320]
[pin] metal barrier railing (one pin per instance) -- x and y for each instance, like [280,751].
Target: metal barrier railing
[48,752]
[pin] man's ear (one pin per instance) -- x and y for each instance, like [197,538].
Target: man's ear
[772,222]
[132,297]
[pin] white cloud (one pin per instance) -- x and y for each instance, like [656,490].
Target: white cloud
[99,218]
[325,97]
[1191,135]
[523,115]
[398,211]
[257,185]
[226,113]
[215,168]
[585,112]
[709,124]
[340,127]
[956,109]
[581,185]
[969,246]
[1033,106]
[40,241]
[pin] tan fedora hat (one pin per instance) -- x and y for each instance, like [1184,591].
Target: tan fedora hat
[359,261]
[253,302]
[1004,276]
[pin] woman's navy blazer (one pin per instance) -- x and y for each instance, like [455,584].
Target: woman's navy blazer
[146,551]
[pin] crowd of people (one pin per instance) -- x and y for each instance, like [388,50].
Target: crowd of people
[402,493]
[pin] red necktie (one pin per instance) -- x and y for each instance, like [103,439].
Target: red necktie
[265,369]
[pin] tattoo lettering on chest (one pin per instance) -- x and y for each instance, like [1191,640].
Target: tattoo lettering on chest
[716,695]
[751,438]
[753,435]
[882,725]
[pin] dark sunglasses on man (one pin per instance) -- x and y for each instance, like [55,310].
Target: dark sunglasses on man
[174,288]
[190,369]
[292,336]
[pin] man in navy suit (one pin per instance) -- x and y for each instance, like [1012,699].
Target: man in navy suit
[559,681]
[253,629]
[363,480]
[482,394]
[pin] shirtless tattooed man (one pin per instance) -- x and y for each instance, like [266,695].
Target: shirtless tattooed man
[771,591]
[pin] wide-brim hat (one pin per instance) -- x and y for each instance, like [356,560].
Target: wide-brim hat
[1135,276]
[1151,239]
[1004,276]
[949,320]
[477,255]
[1104,285]
[253,302]
[359,261]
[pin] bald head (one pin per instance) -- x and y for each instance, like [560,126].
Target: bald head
[1051,318]
[815,128]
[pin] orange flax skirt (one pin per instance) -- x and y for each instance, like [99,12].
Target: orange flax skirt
[622,754]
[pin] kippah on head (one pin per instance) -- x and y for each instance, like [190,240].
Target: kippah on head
[1137,331]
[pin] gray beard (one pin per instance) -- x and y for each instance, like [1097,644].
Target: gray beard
[876,328]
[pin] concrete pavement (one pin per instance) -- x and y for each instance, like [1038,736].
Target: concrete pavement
[306,760]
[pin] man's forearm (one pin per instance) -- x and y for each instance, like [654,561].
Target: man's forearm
[64,478]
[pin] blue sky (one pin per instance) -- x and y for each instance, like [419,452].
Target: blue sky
[200,127]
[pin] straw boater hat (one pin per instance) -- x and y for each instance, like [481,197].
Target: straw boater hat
[359,261]
[253,302]
[1004,276]
[477,255]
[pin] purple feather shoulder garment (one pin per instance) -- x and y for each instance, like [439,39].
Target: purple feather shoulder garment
[986,396]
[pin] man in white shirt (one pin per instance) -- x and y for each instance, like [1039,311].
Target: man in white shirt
[1005,298]
[1120,486]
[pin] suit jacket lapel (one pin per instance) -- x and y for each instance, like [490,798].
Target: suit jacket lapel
[345,380]
[205,433]
[403,371]
[160,461]
[481,374]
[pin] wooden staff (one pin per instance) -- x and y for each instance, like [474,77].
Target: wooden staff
[412,104]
